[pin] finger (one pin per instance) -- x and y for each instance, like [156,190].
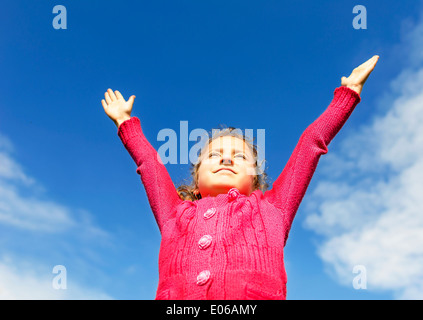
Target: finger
[370,67]
[118,95]
[375,60]
[363,71]
[365,64]
[104,104]
[366,72]
[111,94]
[106,95]
[371,62]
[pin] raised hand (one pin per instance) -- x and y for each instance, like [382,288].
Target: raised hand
[359,75]
[116,107]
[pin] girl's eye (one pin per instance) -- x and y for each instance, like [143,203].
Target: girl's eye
[213,154]
[240,155]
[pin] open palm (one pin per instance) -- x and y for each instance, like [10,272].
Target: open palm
[359,75]
[116,107]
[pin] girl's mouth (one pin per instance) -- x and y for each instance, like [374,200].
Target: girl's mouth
[225,169]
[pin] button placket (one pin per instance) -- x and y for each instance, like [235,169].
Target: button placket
[203,243]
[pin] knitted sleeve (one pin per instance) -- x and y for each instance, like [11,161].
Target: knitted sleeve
[289,188]
[160,190]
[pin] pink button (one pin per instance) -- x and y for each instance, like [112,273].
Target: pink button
[203,277]
[205,242]
[233,194]
[209,213]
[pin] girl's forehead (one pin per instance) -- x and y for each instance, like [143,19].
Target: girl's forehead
[228,143]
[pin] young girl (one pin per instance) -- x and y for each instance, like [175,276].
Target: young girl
[223,236]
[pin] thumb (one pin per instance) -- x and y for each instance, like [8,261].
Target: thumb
[131,100]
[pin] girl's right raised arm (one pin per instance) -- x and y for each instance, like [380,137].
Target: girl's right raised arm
[160,190]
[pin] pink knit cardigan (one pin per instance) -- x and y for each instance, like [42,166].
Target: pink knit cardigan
[231,246]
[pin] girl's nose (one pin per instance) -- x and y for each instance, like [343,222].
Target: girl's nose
[226,160]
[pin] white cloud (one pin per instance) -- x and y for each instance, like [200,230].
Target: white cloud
[37,231]
[31,212]
[9,169]
[28,281]
[368,208]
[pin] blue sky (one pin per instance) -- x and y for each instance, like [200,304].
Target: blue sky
[69,192]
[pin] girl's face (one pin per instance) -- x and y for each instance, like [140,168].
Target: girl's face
[228,162]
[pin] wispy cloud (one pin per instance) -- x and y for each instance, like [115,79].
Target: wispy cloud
[9,169]
[37,232]
[368,207]
[25,281]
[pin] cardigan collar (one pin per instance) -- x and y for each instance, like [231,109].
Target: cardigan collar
[230,196]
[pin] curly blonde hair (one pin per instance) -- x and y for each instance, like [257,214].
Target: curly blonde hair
[187,191]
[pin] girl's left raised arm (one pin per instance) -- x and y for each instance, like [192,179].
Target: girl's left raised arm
[289,188]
